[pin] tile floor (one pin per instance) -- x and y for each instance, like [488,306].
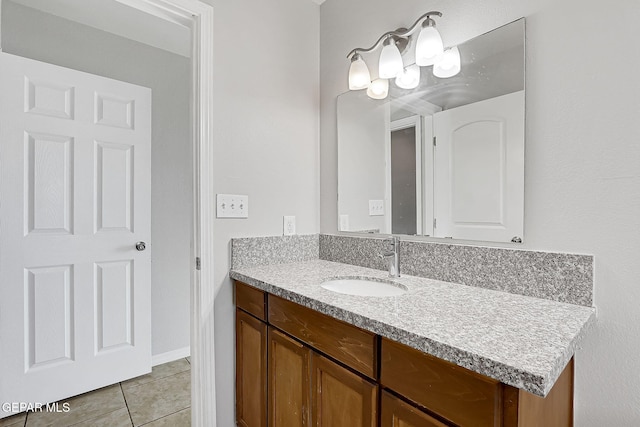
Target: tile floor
[161,398]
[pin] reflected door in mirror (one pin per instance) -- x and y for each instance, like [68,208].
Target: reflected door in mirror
[479,162]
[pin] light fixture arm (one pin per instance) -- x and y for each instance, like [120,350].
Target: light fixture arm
[396,33]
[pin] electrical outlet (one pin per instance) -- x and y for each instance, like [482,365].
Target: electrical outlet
[344,222]
[289,225]
[376,207]
[232,206]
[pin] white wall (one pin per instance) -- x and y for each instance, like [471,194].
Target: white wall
[582,167]
[33,34]
[265,134]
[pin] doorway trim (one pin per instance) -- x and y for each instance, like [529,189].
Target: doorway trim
[198,17]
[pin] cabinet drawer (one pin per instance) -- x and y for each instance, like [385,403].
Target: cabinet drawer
[346,343]
[251,300]
[457,394]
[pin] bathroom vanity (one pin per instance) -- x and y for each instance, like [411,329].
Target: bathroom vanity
[479,336]
[441,354]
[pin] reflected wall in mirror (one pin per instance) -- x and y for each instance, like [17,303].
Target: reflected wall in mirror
[445,159]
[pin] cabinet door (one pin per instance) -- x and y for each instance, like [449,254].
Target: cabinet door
[341,398]
[289,381]
[396,413]
[251,371]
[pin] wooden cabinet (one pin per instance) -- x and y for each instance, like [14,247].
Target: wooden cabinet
[397,413]
[251,371]
[289,381]
[554,410]
[457,394]
[466,398]
[346,343]
[342,398]
[296,367]
[251,300]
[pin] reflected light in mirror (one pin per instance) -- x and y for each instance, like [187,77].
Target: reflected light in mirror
[429,45]
[409,78]
[359,77]
[390,64]
[447,64]
[379,89]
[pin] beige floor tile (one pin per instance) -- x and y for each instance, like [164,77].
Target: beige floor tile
[157,372]
[14,420]
[156,399]
[119,418]
[82,408]
[179,419]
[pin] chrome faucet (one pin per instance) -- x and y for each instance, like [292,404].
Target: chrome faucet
[393,253]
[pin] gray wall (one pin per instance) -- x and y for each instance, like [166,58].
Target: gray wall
[33,34]
[265,136]
[362,129]
[582,170]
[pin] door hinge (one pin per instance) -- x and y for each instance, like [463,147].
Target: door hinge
[198,264]
[434,223]
[434,141]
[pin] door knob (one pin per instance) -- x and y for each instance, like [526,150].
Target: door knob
[141,246]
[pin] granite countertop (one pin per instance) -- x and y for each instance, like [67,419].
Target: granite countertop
[522,341]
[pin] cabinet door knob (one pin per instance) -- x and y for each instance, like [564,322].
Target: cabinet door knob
[141,246]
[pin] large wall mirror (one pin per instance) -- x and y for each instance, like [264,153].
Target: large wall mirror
[445,159]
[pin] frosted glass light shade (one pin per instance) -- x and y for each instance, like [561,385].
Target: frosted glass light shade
[359,77]
[429,46]
[390,64]
[378,89]
[409,78]
[447,64]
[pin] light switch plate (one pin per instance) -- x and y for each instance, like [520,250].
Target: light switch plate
[344,222]
[232,206]
[376,207]
[289,225]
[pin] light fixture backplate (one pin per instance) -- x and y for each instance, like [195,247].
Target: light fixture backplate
[401,42]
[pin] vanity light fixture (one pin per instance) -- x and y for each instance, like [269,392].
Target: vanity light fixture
[429,44]
[359,77]
[447,64]
[409,78]
[378,89]
[390,64]
[429,51]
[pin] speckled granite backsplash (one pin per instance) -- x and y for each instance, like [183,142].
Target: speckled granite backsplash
[554,276]
[252,251]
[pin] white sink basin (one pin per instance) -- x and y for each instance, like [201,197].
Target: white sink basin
[364,287]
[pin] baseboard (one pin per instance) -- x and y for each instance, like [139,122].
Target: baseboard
[170,356]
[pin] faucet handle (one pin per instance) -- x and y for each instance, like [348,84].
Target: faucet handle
[393,252]
[393,242]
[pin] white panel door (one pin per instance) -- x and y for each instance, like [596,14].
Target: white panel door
[479,159]
[75,187]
